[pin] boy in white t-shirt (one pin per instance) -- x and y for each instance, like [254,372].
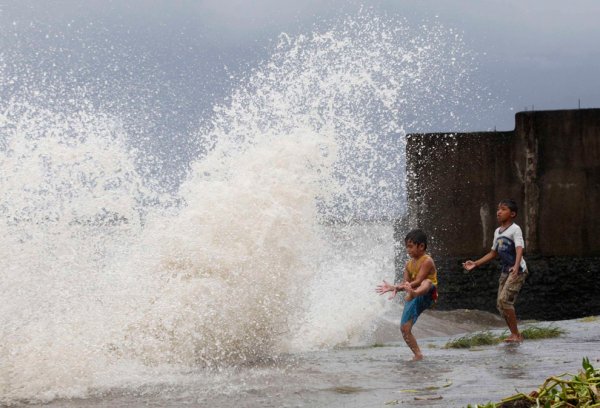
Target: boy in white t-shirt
[508,245]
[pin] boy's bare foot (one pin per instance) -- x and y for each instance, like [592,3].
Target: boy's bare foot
[417,357]
[410,293]
[514,338]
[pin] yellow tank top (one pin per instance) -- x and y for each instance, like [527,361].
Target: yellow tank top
[413,267]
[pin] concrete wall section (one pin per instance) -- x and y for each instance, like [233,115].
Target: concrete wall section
[550,164]
[569,180]
[453,182]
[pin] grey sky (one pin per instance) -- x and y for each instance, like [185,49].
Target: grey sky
[542,52]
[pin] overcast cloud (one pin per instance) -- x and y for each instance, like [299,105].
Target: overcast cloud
[541,53]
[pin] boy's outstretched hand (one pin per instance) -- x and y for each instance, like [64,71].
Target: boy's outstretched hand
[386,287]
[469,265]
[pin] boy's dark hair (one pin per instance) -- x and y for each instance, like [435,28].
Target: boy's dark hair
[417,237]
[511,204]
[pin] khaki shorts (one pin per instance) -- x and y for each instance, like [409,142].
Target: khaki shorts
[509,287]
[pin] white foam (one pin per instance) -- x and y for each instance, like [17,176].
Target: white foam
[101,290]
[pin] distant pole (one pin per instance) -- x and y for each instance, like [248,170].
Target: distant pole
[579,103]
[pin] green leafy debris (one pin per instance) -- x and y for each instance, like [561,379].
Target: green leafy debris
[537,332]
[580,391]
[486,338]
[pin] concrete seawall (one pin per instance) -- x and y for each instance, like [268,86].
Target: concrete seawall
[550,164]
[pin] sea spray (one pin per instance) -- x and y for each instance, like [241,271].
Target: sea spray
[69,203]
[234,260]
[368,79]
[311,136]
[265,249]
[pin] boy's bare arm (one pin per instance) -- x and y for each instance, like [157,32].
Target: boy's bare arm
[405,277]
[470,265]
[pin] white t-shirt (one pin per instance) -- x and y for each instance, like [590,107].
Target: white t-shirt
[506,243]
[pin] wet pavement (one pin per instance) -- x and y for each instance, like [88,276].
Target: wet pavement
[378,376]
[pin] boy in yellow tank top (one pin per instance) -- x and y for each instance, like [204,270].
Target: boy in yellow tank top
[420,284]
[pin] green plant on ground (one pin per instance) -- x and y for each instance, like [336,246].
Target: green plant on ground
[580,391]
[537,332]
[486,338]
